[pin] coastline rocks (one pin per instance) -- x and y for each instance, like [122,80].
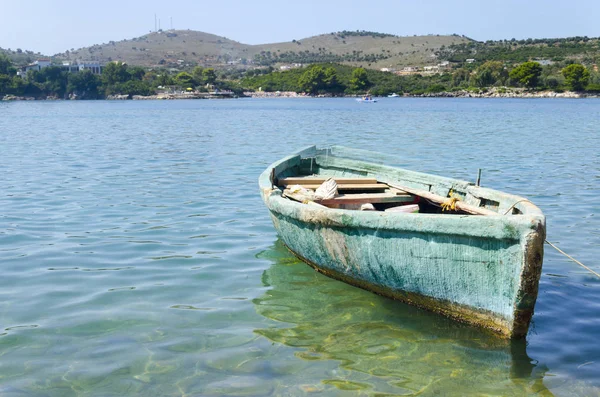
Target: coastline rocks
[169,96]
[117,97]
[17,98]
[276,94]
[505,93]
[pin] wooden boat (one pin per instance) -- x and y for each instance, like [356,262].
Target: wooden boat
[478,262]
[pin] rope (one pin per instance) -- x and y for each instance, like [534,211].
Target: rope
[513,206]
[571,258]
[450,204]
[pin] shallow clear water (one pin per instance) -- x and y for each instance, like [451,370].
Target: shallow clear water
[137,258]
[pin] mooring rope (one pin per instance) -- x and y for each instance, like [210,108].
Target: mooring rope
[447,205]
[571,258]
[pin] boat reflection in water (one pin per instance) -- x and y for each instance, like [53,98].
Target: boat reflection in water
[361,341]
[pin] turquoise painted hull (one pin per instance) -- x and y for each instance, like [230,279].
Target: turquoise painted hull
[483,270]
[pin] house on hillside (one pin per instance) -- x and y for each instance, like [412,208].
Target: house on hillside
[407,70]
[290,66]
[94,66]
[38,65]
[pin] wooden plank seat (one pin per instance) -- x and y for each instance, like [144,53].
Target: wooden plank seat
[360,198]
[363,198]
[351,187]
[318,180]
[343,184]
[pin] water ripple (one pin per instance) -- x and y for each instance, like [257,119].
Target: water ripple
[138,259]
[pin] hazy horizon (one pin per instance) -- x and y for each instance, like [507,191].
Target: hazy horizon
[42,27]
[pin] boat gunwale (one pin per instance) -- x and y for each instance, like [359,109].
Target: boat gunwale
[530,218]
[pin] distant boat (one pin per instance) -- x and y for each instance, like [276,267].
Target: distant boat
[366,99]
[394,95]
[470,253]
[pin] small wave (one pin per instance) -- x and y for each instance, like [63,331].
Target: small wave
[30,326]
[190,307]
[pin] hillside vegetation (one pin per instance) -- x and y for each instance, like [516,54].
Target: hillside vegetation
[583,49]
[181,48]
[317,79]
[341,63]
[185,49]
[21,57]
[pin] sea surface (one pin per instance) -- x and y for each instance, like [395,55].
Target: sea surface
[137,258]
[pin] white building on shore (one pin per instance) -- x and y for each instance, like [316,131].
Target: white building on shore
[38,65]
[94,66]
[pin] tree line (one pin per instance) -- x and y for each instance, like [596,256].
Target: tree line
[117,78]
[335,79]
[318,79]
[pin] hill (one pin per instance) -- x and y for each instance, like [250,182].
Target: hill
[21,57]
[188,48]
[184,49]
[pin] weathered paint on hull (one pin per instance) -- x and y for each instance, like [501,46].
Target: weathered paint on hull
[480,270]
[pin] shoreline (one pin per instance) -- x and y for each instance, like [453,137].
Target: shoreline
[502,93]
[491,93]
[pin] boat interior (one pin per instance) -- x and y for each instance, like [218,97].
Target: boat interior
[366,194]
[364,184]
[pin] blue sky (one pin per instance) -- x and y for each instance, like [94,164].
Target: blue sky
[45,26]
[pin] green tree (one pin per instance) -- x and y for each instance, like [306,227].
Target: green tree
[552,82]
[6,66]
[136,73]
[209,76]
[312,80]
[359,80]
[483,78]
[185,80]
[460,77]
[114,73]
[331,79]
[5,82]
[527,74]
[135,87]
[51,80]
[84,84]
[164,79]
[490,73]
[17,86]
[576,76]
[197,74]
